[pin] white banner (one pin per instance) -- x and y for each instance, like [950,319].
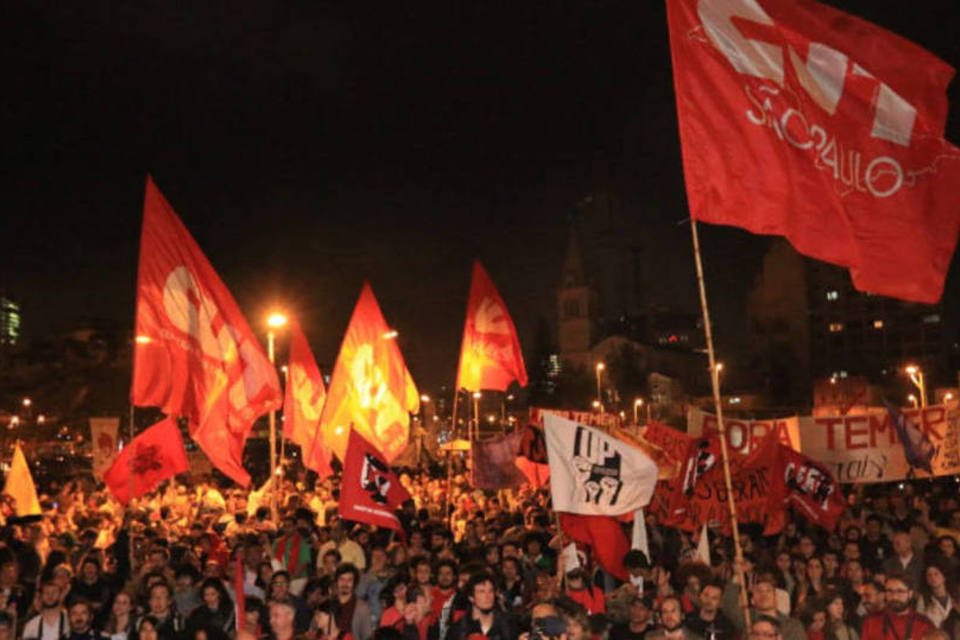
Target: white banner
[592,473]
[103,440]
[743,436]
[865,448]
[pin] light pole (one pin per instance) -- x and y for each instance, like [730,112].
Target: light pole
[275,321]
[599,368]
[916,377]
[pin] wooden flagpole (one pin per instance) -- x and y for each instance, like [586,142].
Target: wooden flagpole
[718,408]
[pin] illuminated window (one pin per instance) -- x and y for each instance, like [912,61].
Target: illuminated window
[933,318]
[833,294]
[878,324]
[836,327]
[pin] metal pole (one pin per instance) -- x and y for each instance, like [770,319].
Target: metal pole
[274,515]
[718,407]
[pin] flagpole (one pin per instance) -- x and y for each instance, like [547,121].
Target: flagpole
[274,515]
[718,408]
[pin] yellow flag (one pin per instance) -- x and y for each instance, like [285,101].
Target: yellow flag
[20,486]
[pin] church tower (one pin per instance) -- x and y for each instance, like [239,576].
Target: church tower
[575,308]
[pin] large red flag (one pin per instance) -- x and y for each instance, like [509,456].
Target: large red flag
[604,535]
[303,403]
[195,354]
[152,457]
[370,491]
[490,356]
[371,390]
[799,120]
[811,488]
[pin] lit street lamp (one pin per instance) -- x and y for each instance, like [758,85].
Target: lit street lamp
[916,377]
[275,321]
[600,367]
[913,400]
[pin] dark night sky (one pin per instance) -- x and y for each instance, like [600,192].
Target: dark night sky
[309,146]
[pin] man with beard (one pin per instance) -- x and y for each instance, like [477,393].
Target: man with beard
[639,621]
[709,622]
[899,621]
[872,600]
[445,588]
[671,622]
[81,621]
[51,623]
[483,619]
[350,612]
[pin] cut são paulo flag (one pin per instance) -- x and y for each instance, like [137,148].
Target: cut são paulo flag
[195,355]
[490,355]
[370,491]
[799,120]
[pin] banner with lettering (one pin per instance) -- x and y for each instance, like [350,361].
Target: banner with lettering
[866,448]
[604,421]
[744,436]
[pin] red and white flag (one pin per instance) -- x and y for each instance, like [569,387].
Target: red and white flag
[490,355]
[195,355]
[799,120]
[370,491]
[153,456]
[303,403]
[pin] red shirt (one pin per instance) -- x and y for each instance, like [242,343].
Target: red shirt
[591,598]
[890,626]
[438,598]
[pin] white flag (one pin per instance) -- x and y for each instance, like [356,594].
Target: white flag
[103,437]
[703,546]
[592,473]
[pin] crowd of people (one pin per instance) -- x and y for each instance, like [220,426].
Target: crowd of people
[466,565]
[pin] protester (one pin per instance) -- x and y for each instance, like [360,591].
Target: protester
[899,621]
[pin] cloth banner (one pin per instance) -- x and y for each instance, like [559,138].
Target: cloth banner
[744,436]
[600,420]
[103,437]
[592,473]
[865,448]
[604,535]
[370,491]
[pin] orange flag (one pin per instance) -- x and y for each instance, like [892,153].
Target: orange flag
[371,389]
[490,357]
[303,403]
[195,355]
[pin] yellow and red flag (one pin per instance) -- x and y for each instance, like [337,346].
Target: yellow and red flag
[371,389]
[195,354]
[303,403]
[490,356]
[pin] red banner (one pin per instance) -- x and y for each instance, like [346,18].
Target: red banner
[195,354]
[370,491]
[799,120]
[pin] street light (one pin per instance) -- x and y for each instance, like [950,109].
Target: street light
[916,377]
[424,398]
[27,402]
[275,321]
[913,400]
[600,367]
[636,410]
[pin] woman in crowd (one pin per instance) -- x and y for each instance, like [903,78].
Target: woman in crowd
[121,623]
[217,610]
[936,597]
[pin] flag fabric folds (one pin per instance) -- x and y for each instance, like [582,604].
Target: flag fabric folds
[371,390]
[918,450]
[195,355]
[604,535]
[370,491]
[303,401]
[799,120]
[19,485]
[810,488]
[490,355]
[493,463]
[592,473]
[153,456]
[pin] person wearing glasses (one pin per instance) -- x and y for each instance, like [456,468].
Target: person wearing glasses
[899,621]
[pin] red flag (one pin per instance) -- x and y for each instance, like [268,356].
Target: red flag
[370,491]
[195,354]
[490,356]
[811,488]
[371,390]
[799,120]
[152,457]
[604,535]
[303,403]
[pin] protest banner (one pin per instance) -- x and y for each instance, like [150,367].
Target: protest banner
[103,438]
[744,436]
[865,448]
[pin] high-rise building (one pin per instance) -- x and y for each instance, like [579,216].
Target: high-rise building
[9,321]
